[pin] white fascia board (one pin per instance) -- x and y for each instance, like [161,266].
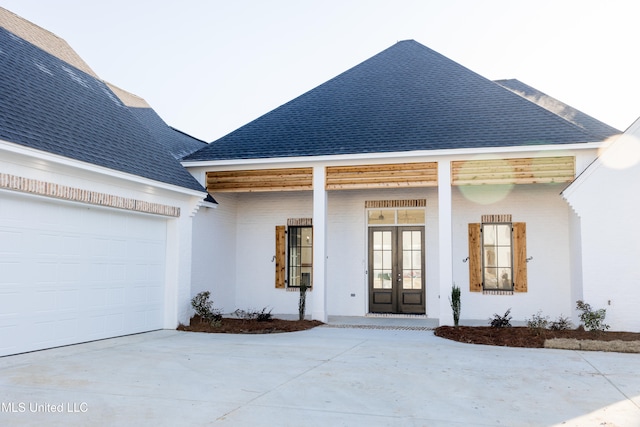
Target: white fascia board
[209,205]
[45,156]
[454,153]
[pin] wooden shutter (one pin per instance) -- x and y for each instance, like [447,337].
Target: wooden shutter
[475,263]
[520,256]
[281,255]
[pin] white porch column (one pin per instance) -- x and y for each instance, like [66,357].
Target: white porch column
[319,309]
[445,246]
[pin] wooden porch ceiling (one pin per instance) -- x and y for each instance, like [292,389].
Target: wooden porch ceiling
[542,170]
[245,181]
[402,175]
[382,176]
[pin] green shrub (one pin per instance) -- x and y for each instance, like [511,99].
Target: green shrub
[203,308]
[455,303]
[561,324]
[264,315]
[593,320]
[501,321]
[261,316]
[538,321]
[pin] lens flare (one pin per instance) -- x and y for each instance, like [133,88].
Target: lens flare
[474,179]
[622,153]
[486,194]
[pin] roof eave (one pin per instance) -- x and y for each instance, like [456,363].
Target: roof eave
[33,153]
[359,157]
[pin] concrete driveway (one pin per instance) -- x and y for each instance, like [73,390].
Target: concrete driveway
[323,377]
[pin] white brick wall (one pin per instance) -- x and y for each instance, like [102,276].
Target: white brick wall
[549,277]
[238,246]
[214,253]
[608,204]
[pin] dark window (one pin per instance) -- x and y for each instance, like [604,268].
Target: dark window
[300,247]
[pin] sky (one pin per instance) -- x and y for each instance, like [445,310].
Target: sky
[210,66]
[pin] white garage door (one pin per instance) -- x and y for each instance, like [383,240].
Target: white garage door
[71,273]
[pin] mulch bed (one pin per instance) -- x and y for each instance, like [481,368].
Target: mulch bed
[249,326]
[508,337]
[523,336]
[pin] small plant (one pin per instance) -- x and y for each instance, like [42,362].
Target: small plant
[593,319]
[561,324]
[302,302]
[501,321]
[538,321]
[264,315]
[455,302]
[203,308]
[261,316]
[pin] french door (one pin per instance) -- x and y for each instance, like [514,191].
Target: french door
[396,270]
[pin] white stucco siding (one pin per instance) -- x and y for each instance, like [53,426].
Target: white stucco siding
[549,272]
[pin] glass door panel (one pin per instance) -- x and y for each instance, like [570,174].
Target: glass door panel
[396,267]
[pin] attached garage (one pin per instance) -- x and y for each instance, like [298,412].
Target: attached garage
[72,273]
[95,208]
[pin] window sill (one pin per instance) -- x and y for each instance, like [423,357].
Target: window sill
[297,289]
[497,292]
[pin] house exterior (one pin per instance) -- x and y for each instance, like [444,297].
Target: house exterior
[607,211]
[391,182]
[95,209]
[378,190]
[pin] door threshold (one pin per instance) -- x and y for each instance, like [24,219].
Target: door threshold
[397,315]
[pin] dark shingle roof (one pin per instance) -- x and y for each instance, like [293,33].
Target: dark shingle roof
[49,105]
[175,142]
[406,98]
[578,118]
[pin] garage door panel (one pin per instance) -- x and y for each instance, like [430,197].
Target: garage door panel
[117,248]
[116,273]
[45,272]
[9,299]
[10,241]
[71,273]
[11,267]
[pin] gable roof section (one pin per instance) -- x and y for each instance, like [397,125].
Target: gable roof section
[49,105]
[578,118]
[406,98]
